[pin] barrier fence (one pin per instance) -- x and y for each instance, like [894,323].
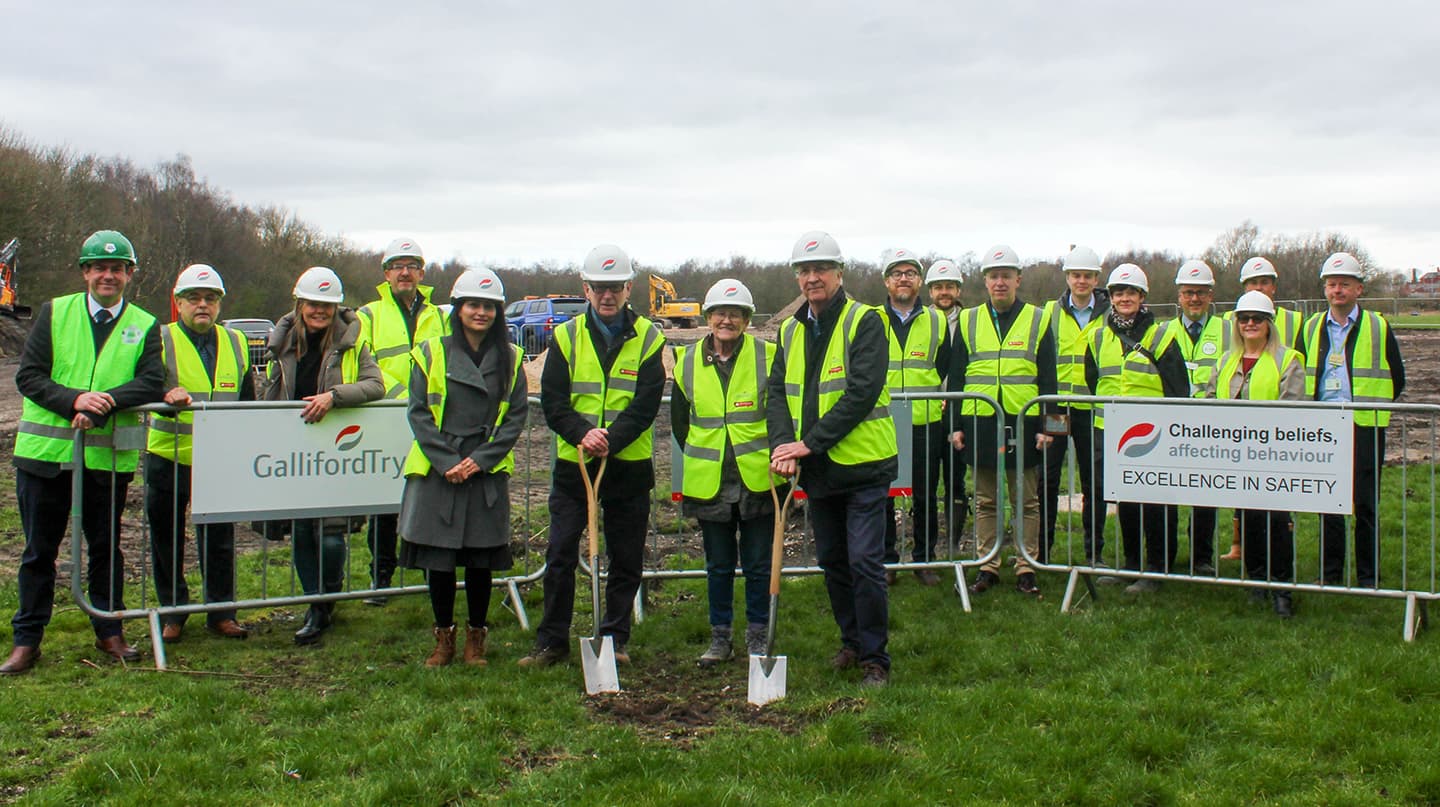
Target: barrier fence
[673,551]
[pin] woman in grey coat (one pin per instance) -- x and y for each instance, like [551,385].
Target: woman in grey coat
[468,402]
[316,358]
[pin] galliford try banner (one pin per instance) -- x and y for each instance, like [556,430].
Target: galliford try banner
[268,463]
[1253,457]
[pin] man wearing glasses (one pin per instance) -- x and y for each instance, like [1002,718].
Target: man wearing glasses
[1203,340]
[600,391]
[204,361]
[919,359]
[403,317]
[828,418]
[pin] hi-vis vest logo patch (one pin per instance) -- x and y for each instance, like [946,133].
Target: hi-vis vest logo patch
[225,385]
[629,373]
[744,404]
[1015,343]
[919,354]
[836,369]
[131,335]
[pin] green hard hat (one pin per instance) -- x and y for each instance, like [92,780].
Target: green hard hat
[107,245]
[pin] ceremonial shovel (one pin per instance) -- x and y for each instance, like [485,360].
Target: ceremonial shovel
[597,653]
[767,672]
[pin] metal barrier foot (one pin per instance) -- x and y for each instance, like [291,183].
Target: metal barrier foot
[961,588]
[157,640]
[640,604]
[1416,616]
[518,605]
[1070,583]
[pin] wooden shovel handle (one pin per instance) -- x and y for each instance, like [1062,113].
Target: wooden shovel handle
[777,545]
[592,507]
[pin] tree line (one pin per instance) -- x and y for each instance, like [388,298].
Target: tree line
[52,198]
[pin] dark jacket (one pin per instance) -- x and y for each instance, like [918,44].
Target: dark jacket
[34,381]
[980,432]
[1174,377]
[865,377]
[345,333]
[623,478]
[1392,354]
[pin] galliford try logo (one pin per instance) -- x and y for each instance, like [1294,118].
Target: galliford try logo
[347,459]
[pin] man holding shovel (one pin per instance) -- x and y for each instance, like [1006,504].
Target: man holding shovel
[600,391]
[828,418]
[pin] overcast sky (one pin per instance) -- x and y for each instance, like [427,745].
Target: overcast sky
[516,132]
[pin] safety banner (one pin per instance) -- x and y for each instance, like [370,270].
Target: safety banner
[1252,457]
[270,464]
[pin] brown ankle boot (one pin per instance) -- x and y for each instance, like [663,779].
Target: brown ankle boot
[444,647]
[475,645]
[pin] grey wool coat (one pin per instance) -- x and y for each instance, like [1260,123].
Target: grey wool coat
[368,386]
[475,513]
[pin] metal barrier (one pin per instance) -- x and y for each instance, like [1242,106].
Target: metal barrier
[1407,566]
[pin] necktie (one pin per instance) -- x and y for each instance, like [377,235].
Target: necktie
[102,316]
[1194,329]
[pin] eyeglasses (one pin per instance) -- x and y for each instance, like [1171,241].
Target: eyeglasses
[601,289]
[727,313]
[405,267]
[908,274]
[1251,319]
[1196,292]
[196,298]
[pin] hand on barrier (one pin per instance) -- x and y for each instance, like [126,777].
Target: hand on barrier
[1043,440]
[98,403]
[462,471]
[178,396]
[957,439]
[316,406]
[596,442]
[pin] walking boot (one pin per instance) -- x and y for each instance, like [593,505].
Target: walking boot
[317,621]
[755,638]
[720,649]
[1284,606]
[444,647]
[475,645]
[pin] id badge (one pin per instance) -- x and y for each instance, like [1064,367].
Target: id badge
[1057,425]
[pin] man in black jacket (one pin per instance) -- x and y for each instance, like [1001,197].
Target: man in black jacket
[600,391]
[828,418]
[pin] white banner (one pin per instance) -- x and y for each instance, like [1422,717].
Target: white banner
[268,463]
[1253,457]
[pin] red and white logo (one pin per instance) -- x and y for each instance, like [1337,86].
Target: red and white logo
[487,283]
[998,255]
[608,264]
[348,437]
[324,285]
[811,246]
[732,291]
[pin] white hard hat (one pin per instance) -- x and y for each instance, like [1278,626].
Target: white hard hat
[199,276]
[1256,302]
[1194,272]
[896,256]
[478,284]
[1342,264]
[1000,256]
[1082,259]
[943,269]
[1257,267]
[816,246]
[319,284]
[403,248]
[607,263]
[728,291]
[1128,274]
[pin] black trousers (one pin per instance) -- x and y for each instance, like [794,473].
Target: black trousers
[44,514]
[1369,456]
[1090,466]
[928,447]
[167,497]
[849,546]
[1202,536]
[1160,524]
[1269,545]
[382,538]
[624,522]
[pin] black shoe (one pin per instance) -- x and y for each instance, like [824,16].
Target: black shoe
[927,577]
[317,621]
[1258,596]
[984,581]
[1025,584]
[875,675]
[1283,606]
[541,657]
[890,578]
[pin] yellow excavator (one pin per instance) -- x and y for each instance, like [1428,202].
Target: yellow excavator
[668,309]
[9,301]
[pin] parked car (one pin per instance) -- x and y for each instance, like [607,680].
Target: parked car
[533,319]
[257,336]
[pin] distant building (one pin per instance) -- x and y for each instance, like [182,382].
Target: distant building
[1426,285]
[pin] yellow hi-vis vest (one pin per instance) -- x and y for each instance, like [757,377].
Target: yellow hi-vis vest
[735,413]
[598,397]
[170,437]
[1071,344]
[430,357]
[1127,373]
[1004,371]
[873,439]
[1264,374]
[1201,355]
[1287,324]
[45,436]
[1370,379]
[382,327]
[912,365]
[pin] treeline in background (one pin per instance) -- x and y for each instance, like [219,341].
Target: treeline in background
[52,198]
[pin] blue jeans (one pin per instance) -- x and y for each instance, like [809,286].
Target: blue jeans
[850,547]
[754,557]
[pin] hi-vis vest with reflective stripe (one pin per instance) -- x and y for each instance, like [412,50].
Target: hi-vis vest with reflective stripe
[1265,374]
[1203,355]
[735,413]
[912,365]
[171,437]
[598,397]
[1370,380]
[1006,372]
[1127,373]
[1071,344]
[1287,324]
[382,326]
[873,439]
[430,357]
[45,436]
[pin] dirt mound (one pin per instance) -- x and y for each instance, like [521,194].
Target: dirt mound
[12,336]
